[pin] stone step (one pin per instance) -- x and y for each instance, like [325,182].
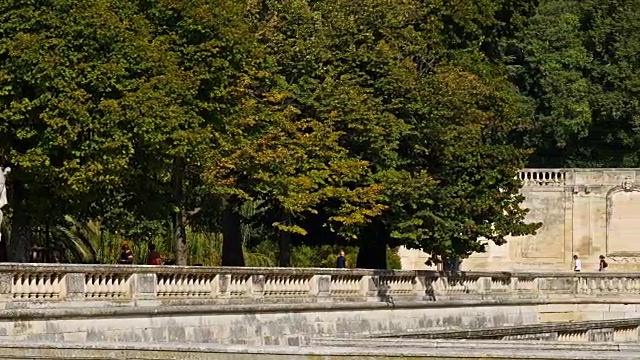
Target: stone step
[531,329]
[484,344]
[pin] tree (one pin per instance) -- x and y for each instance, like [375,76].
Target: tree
[386,123]
[292,164]
[378,72]
[579,63]
[64,67]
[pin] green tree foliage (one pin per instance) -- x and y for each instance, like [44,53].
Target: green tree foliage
[369,124]
[579,61]
[412,90]
[64,67]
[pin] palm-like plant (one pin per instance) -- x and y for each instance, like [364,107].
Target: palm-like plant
[82,240]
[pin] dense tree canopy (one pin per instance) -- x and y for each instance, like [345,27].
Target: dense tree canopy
[369,123]
[579,61]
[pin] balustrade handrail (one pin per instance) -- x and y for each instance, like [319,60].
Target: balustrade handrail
[233,285]
[176,269]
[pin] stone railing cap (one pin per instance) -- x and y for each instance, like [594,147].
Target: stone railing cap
[172,269]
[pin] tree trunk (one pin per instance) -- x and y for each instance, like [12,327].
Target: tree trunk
[451,264]
[373,248]
[4,256]
[284,247]
[179,230]
[20,242]
[232,253]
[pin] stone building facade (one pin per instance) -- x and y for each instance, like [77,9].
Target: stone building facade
[588,212]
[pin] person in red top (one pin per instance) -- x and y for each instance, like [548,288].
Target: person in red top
[154,257]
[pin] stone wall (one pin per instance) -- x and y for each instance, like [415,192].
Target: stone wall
[258,306]
[588,212]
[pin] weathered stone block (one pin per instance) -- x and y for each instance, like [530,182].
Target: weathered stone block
[257,286]
[75,286]
[145,286]
[321,286]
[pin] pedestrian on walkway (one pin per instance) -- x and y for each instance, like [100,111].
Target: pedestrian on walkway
[603,264]
[577,263]
[341,262]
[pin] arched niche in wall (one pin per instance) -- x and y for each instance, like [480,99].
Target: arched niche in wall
[623,220]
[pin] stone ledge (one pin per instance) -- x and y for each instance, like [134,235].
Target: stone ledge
[163,310]
[472,350]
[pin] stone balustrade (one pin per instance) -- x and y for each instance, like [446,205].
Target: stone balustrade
[38,283]
[543,177]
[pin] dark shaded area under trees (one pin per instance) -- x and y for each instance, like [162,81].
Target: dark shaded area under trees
[297,125]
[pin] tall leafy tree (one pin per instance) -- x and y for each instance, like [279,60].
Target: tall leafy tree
[416,93]
[209,47]
[64,67]
[385,122]
[579,61]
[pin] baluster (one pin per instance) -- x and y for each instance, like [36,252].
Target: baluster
[197,285]
[101,288]
[30,286]
[104,285]
[110,285]
[123,288]
[183,285]
[174,284]
[43,289]
[88,284]
[26,291]
[234,285]
[192,285]
[275,285]
[95,285]
[205,288]
[115,288]
[284,285]
[204,285]
[51,286]
[180,285]
[40,287]
[18,288]
[292,284]
[56,286]
[186,285]
[266,288]
[161,284]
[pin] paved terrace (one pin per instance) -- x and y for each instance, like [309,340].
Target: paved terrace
[265,307]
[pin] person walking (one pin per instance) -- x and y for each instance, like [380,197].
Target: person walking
[577,264]
[341,262]
[603,264]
